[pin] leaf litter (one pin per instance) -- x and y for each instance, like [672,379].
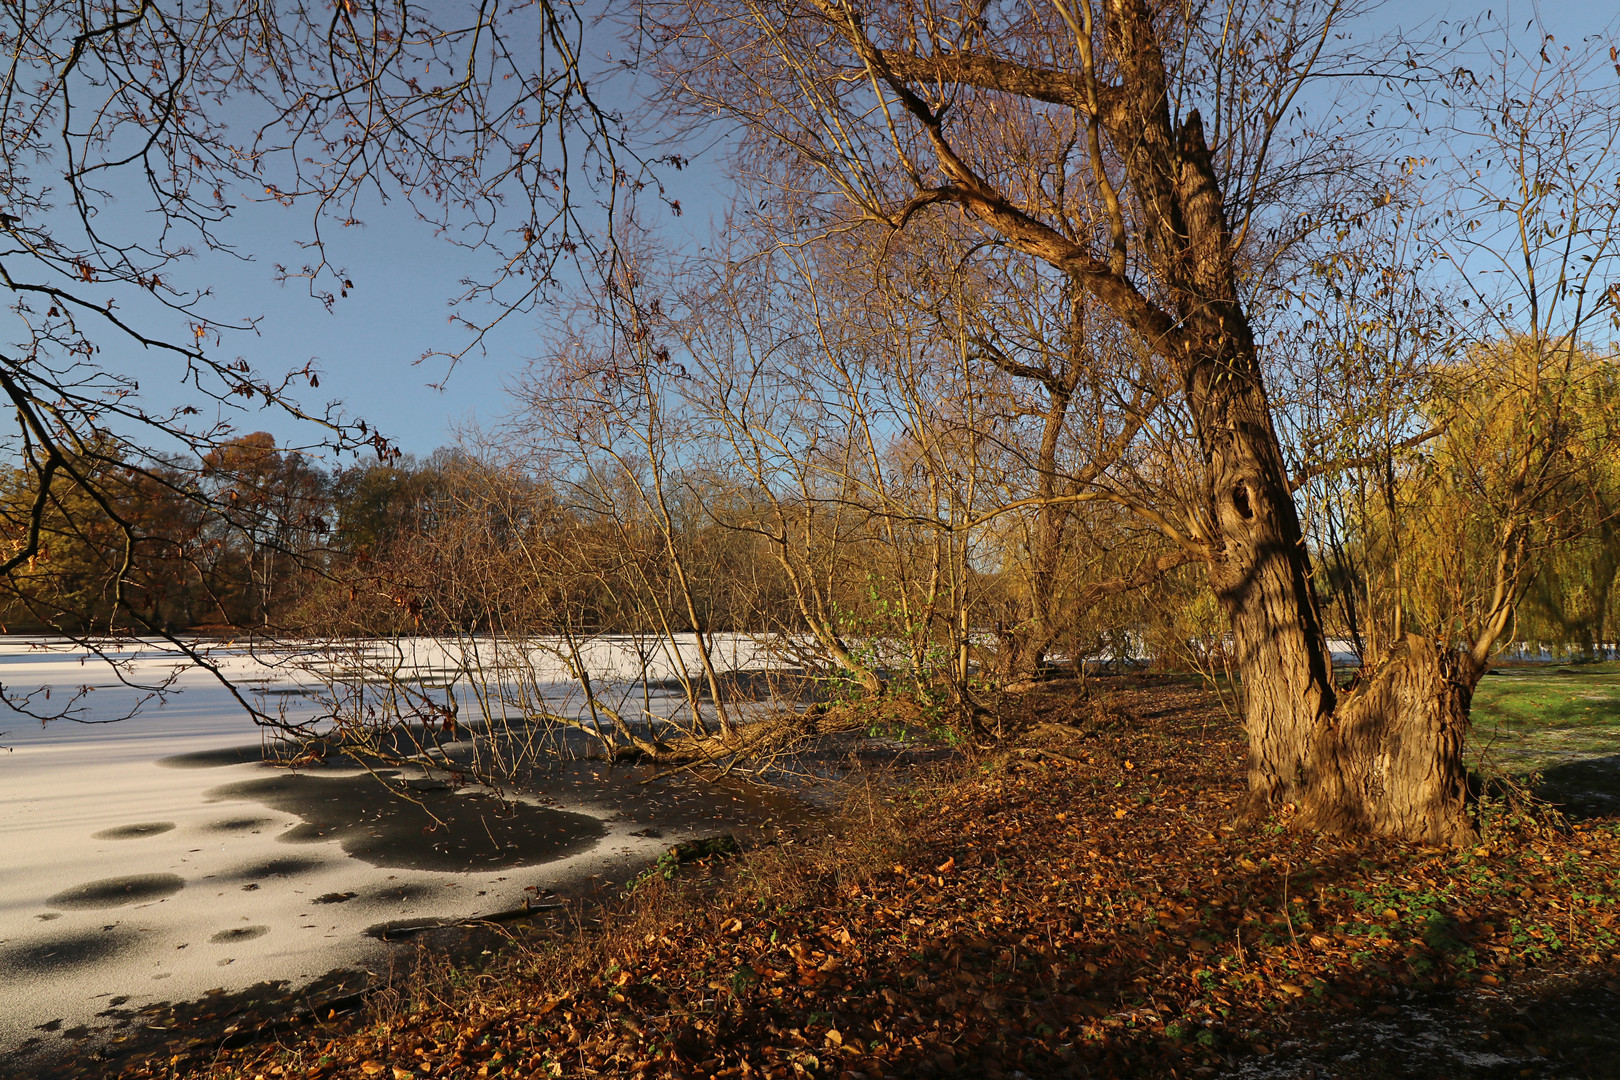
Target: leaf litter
[1083,900]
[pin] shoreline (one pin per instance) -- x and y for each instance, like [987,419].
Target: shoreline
[1078,901]
[193,1030]
[632,805]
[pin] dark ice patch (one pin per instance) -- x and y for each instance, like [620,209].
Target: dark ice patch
[66,952]
[287,866]
[133,832]
[239,824]
[213,759]
[305,753]
[438,831]
[118,891]
[400,893]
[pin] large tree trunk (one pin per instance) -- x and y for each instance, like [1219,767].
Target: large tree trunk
[1383,760]
[1261,577]
[1390,759]
[1387,760]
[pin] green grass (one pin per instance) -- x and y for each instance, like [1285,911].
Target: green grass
[1535,717]
[1562,723]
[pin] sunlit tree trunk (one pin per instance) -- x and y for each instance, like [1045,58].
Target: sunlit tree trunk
[1386,759]
[1069,131]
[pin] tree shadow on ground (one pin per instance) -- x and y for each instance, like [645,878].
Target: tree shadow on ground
[1563,1027]
[1588,788]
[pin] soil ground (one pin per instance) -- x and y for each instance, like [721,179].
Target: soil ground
[1079,901]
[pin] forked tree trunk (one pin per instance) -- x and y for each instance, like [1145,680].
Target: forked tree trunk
[1387,760]
[1390,760]
[1384,760]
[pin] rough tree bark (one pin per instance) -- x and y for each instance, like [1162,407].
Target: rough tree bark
[1147,235]
[1387,759]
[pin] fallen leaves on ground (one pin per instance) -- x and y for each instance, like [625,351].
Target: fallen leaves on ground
[1085,902]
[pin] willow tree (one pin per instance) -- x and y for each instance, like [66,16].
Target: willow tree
[1161,157]
[1430,553]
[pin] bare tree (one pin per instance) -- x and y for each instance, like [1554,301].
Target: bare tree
[1160,158]
[131,135]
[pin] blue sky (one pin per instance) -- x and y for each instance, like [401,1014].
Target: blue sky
[368,346]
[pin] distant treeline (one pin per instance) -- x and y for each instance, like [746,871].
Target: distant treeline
[256,537]
[516,541]
[228,540]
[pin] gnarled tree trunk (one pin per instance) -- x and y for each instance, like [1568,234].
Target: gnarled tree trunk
[1389,760]
[1147,237]
[1383,760]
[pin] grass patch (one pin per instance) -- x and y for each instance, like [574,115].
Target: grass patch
[1528,719]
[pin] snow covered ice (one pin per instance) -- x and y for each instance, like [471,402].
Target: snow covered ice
[153,859]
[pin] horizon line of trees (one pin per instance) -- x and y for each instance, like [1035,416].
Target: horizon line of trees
[580,539]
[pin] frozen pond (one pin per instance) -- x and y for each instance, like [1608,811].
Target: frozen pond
[160,858]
